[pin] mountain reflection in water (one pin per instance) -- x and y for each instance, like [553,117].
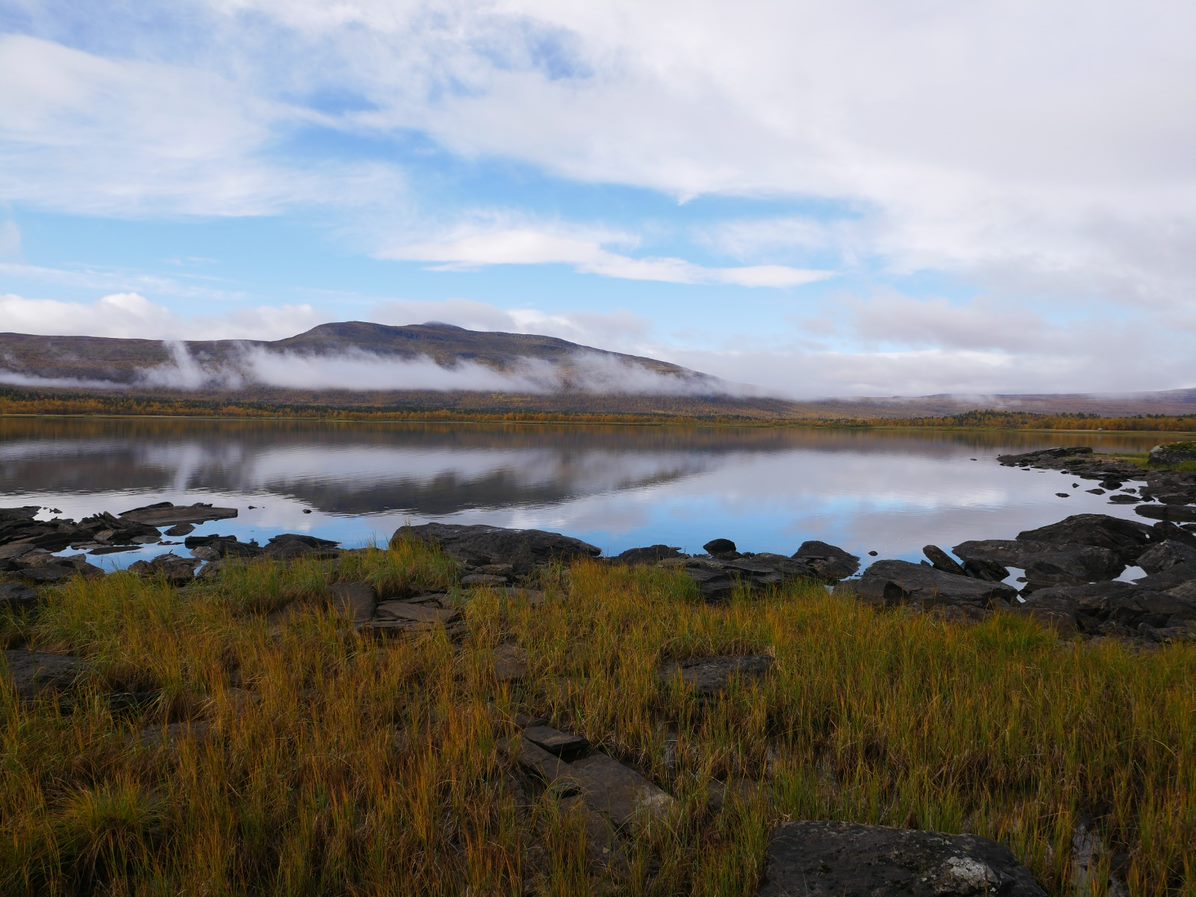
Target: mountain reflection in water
[767,488]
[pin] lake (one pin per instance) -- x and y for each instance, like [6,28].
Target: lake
[768,489]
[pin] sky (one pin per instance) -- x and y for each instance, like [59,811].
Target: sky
[864,197]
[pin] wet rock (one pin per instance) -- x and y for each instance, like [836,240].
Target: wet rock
[167,514]
[1125,538]
[651,554]
[1044,456]
[832,859]
[1122,498]
[32,672]
[828,562]
[182,529]
[710,676]
[175,570]
[892,583]
[1165,555]
[524,550]
[940,560]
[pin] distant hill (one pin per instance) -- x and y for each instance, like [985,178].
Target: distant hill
[433,366]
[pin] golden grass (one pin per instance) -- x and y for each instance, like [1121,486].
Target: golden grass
[331,764]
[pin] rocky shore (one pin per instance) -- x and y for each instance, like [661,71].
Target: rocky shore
[1064,575]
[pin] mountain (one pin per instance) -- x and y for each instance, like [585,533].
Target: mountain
[433,366]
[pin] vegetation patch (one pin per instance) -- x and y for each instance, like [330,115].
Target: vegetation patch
[294,754]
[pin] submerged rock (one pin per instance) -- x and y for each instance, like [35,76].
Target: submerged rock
[833,859]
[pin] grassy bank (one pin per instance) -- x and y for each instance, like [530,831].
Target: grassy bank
[321,762]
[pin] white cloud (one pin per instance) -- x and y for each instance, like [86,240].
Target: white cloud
[132,315]
[472,246]
[10,239]
[125,138]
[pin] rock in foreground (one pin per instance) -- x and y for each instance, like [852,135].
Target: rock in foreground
[830,859]
[899,582]
[475,546]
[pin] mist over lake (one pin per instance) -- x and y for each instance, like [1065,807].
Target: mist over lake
[769,489]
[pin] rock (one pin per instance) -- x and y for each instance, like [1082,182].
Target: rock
[175,570]
[510,663]
[1166,554]
[16,597]
[715,547]
[829,562]
[709,676]
[32,672]
[940,560]
[1165,529]
[989,571]
[524,550]
[1169,578]
[1044,456]
[540,763]
[560,744]
[1045,563]
[296,545]
[1126,538]
[718,577]
[182,529]
[1096,491]
[1172,453]
[892,583]
[834,859]
[652,554]
[1062,495]
[1182,513]
[483,580]
[1122,498]
[415,613]
[167,514]
[357,600]
[216,547]
[616,791]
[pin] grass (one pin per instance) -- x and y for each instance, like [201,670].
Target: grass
[309,760]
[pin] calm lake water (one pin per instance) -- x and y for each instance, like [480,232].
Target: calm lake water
[617,487]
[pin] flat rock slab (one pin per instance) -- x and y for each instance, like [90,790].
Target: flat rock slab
[168,514]
[829,859]
[710,676]
[478,545]
[415,613]
[356,599]
[560,744]
[616,791]
[32,672]
[1176,513]
[510,663]
[899,582]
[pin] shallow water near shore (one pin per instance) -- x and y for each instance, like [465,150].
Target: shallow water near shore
[889,491]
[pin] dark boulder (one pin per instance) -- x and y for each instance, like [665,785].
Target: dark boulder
[829,562]
[1044,563]
[1044,456]
[940,560]
[989,571]
[473,546]
[175,570]
[215,547]
[835,859]
[900,582]
[296,545]
[651,554]
[715,547]
[1165,555]
[1125,538]
[1168,579]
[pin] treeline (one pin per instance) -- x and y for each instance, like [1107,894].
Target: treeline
[14,402]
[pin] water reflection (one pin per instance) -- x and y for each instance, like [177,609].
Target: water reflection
[769,489]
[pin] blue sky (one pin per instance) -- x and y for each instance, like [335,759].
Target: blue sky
[873,198]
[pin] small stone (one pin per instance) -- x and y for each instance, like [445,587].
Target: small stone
[560,744]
